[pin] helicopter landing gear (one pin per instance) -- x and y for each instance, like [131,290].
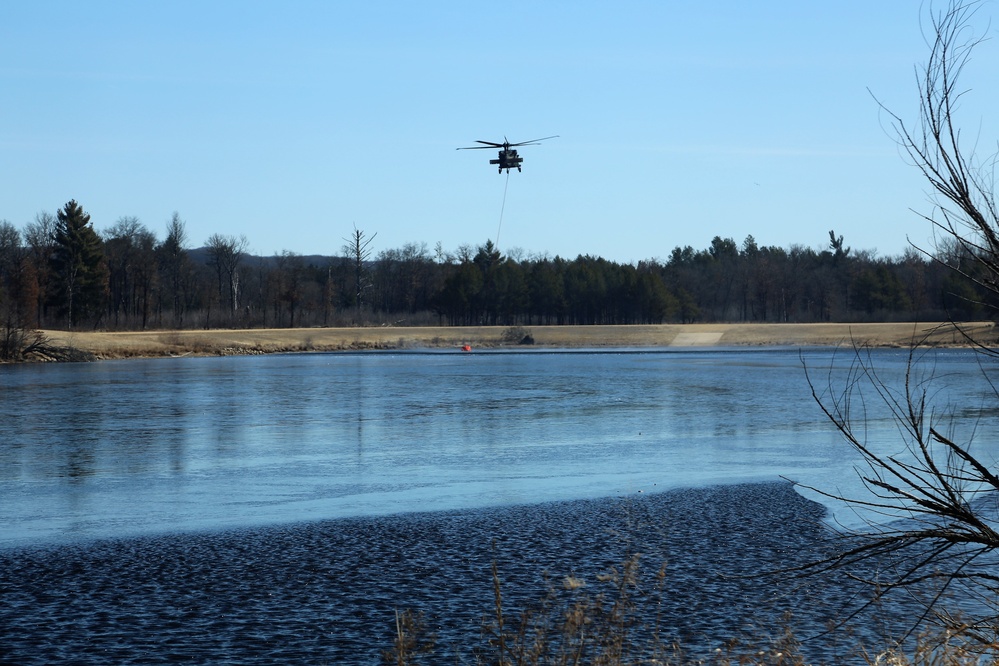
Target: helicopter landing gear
[518,170]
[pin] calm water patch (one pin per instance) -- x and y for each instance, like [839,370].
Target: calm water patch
[121,448]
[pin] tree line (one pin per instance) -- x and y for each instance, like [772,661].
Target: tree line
[60,272]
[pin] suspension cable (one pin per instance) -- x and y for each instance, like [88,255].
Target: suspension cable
[502,208]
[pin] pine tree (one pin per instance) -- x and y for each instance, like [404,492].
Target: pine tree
[78,266]
[174,265]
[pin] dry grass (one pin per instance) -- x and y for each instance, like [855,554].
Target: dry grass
[610,626]
[574,626]
[263,341]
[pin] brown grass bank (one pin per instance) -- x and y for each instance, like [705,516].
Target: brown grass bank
[112,345]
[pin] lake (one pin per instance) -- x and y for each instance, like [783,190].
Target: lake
[282,507]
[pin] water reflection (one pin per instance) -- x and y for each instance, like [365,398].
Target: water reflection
[129,447]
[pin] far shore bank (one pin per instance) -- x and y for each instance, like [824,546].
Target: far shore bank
[221,342]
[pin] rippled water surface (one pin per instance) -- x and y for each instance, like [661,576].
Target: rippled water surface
[281,508]
[326,592]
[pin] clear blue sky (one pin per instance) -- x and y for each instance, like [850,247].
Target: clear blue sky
[291,122]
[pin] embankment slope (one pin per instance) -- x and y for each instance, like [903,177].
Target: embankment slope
[108,345]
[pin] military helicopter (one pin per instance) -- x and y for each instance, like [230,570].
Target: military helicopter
[507,157]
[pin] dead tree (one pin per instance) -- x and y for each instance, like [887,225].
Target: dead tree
[357,248]
[964,213]
[935,517]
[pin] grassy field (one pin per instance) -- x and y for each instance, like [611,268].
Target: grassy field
[109,345]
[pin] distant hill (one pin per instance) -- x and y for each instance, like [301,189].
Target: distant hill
[201,255]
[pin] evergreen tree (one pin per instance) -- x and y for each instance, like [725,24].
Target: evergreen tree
[174,265]
[78,267]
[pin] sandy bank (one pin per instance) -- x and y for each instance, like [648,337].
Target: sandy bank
[109,345]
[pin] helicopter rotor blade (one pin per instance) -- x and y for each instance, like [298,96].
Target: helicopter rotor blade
[489,146]
[506,144]
[534,142]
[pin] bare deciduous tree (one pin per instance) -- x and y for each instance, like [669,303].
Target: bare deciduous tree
[931,525]
[963,184]
[38,237]
[128,248]
[289,285]
[225,254]
[934,517]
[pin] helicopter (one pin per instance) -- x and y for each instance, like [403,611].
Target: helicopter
[507,157]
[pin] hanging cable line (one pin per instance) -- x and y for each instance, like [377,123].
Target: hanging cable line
[502,208]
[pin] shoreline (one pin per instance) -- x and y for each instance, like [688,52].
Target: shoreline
[104,345]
